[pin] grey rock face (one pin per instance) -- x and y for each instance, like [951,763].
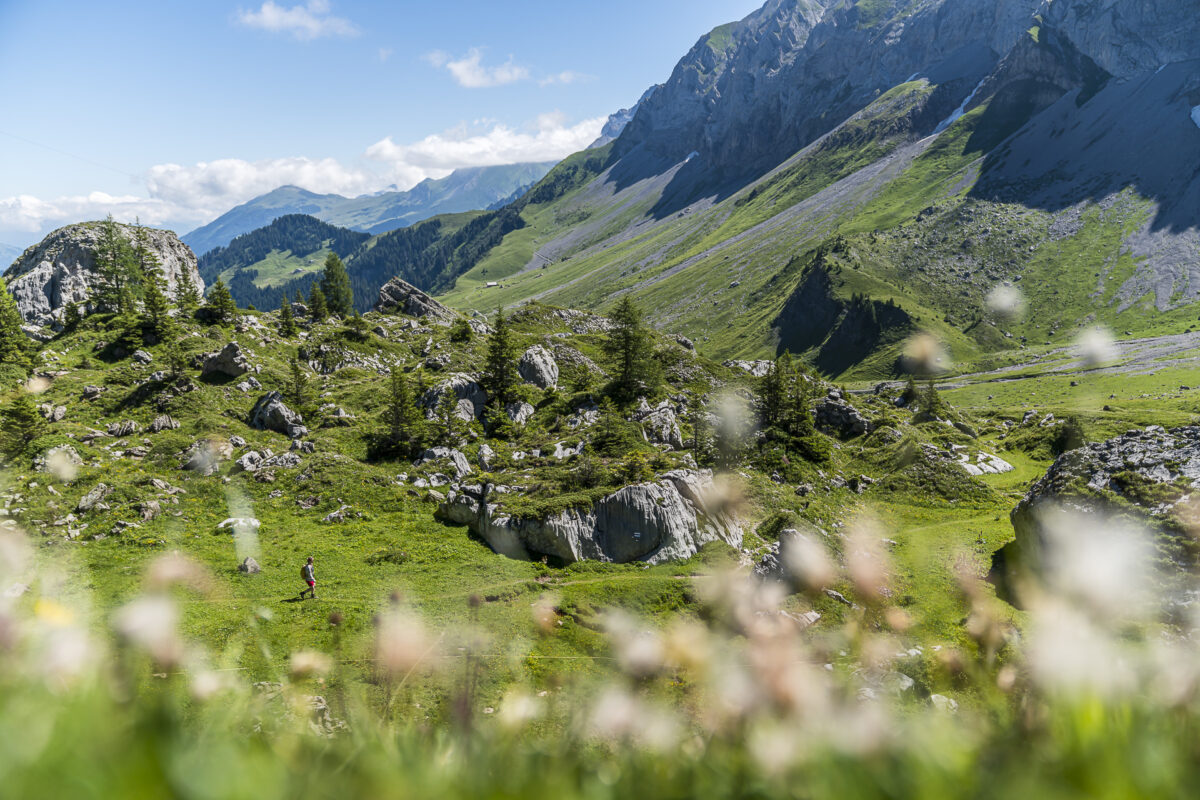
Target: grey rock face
[1144,475]
[163,422]
[230,361]
[465,388]
[654,522]
[519,412]
[126,428]
[756,369]
[537,366]
[271,414]
[94,500]
[399,296]
[61,269]
[249,566]
[462,467]
[660,424]
[836,415]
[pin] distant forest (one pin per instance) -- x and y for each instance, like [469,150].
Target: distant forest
[299,233]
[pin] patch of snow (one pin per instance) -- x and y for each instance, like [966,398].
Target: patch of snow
[1196,116]
[691,155]
[912,77]
[1160,69]
[958,112]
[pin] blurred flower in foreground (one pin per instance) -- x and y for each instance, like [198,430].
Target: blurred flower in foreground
[1098,563]
[309,662]
[925,355]
[639,652]
[866,561]
[61,464]
[149,623]
[619,715]
[807,562]
[402,644]
[1006,302]
[37,385]
[518,709]
[1095,347]
[176,569]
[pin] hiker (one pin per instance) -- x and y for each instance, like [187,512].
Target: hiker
[306,572]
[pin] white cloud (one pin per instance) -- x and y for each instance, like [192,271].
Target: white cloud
[188,196]
[566,77]
[470,72]
[305,22]
[384,54]
[548,139]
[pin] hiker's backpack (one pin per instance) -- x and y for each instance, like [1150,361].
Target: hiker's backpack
[304,572]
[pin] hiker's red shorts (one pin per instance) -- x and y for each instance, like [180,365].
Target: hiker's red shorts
[311,584]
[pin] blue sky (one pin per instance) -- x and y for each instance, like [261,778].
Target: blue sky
[176,111]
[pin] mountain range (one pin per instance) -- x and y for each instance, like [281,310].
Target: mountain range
[462,190]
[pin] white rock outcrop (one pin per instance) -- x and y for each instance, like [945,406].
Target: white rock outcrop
[537,366]
[657,521]
[61,269]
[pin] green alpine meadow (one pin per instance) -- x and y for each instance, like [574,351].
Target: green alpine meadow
[825,423]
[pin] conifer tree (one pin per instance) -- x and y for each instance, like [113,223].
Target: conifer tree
[145,263]
[448,417]
[317,307]
[187,296]
[500,369]
[403,428]
[13,342]
[173,353]
[221,304]
[157,307]
[287,321]
[298,393]
[772,389]
[335,285]
[701,430]
[631,350]
[612,435]
[20,424]
[114,262]
[71,316]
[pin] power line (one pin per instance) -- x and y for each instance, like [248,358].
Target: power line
[84,159]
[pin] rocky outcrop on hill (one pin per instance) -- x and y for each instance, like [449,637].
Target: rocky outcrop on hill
[1147,477]
[400,296]
[271,414]
[61,269]
[229,362]
[470,396]
[537,366]
[659,521]
[834,414]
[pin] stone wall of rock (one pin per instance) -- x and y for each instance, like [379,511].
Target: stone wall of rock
[658,521]
[61,269]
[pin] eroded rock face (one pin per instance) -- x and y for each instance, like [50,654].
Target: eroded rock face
[660,424]
[537,366]
[271,414]
[229,362]
[61,269]
[659,521]
[399,296]
[1147,477]
[462,467]
[834,414]
[472,399]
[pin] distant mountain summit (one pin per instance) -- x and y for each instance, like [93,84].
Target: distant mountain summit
[463,190]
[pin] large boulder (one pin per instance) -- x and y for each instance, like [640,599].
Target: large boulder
[399,296]
[660,424]
[61,269]
[537,366]
[835,415]
[472,399]
[271,414]
[1145,478]
[229,362]
[657,521]
[462,467]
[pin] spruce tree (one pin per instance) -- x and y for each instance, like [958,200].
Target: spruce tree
[403,428]
[317,308]
[187,295]
[14,348]
[220,303]
[335,285]
[114,261]
[298,393]
[157,307]
[287,322]
[145,263]
[448,418]
[500,369]
[71,316]
[20,424]
[173,353]
[771,392]
[701,430]
[631,350]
